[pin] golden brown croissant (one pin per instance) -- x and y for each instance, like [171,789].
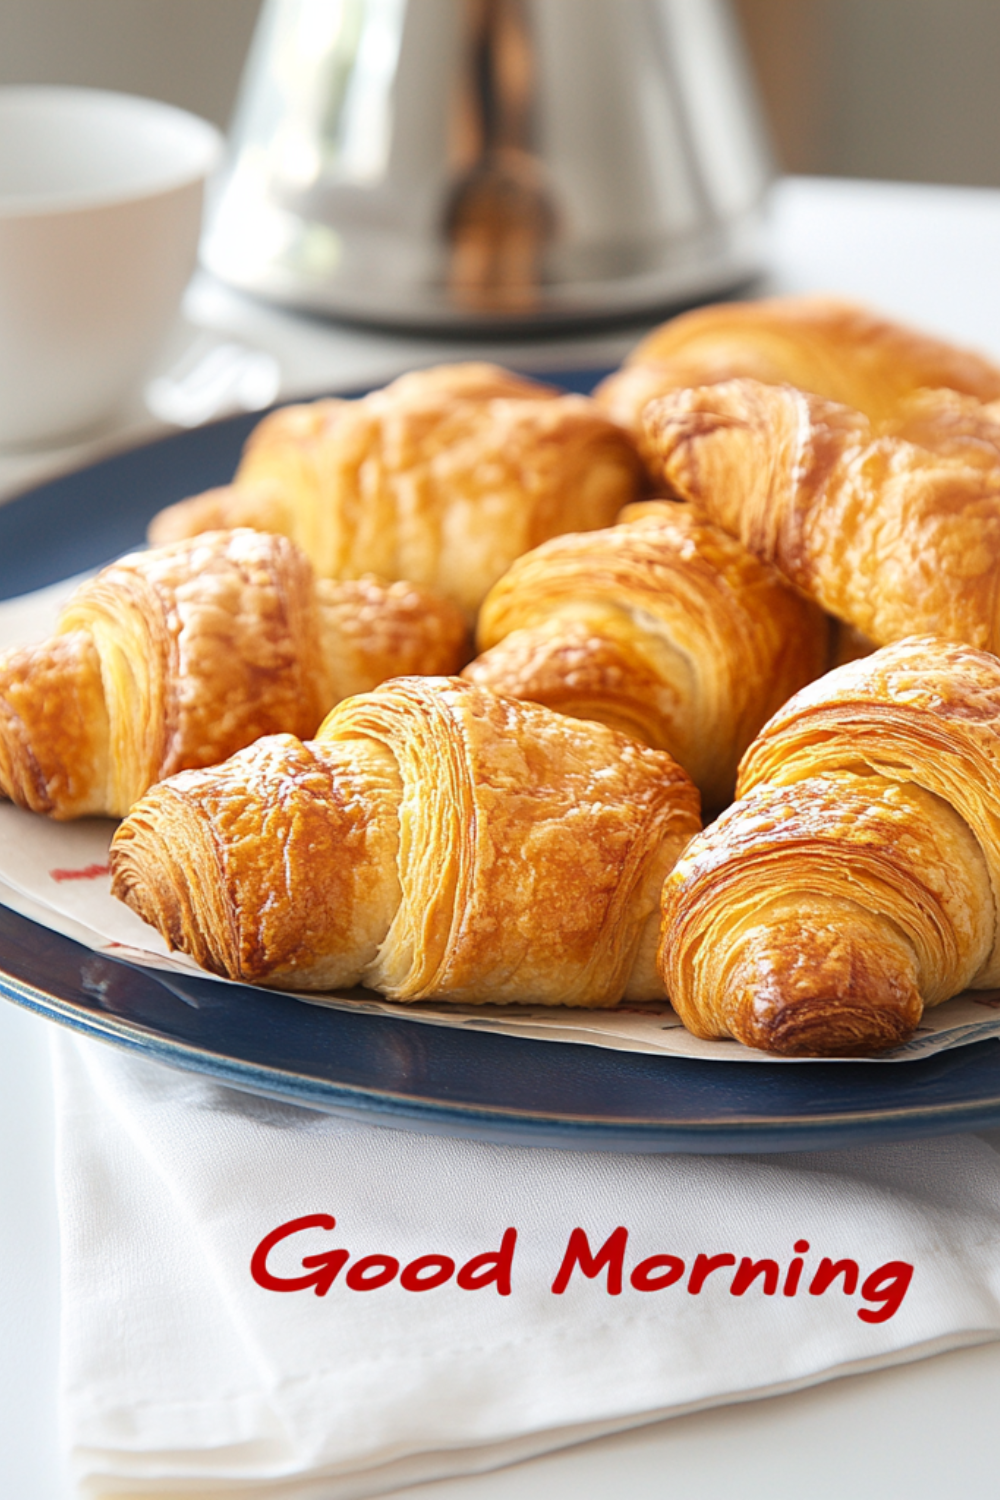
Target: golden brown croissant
[179,656]
[894,537]
[856,880]
[819,344]
[435,841]
[663,627]
[443,477]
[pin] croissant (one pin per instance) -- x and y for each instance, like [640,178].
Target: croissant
[179,656]
[663,627]
[892,536]
[856,879]
[819,344]
[443,477]
[435,841]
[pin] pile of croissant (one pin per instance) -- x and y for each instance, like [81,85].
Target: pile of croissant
[755,578]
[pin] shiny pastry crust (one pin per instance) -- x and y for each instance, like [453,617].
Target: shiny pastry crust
[55,738]
[179,656]
[923,710]
[435,841]
[278,865]
[202,647]
[891,536]
[371,630]
[819,344]
[443,478]
[856,880]
[663,627]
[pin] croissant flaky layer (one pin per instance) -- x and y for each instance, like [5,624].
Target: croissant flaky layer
[892,535]
[443,477]
[662,626]
[179,656]
[856,880]
[435,841]
[819,344]
[371,630]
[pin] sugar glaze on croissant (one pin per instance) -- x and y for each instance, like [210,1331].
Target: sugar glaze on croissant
[179,656]
[895,531]
[663,627]
[856,880]
[443,478]
[434,841]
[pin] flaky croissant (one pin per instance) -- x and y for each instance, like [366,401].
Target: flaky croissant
[443,477]
[819,344]
[435,841]
[856,879]
[663,627]
[896,537]
[181,655]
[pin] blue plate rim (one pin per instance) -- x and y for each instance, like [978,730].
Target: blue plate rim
[569,1130]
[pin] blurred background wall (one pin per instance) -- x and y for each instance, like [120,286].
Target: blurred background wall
[189,52]
[881,88]
[862,88]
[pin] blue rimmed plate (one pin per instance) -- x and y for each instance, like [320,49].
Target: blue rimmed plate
[403,1073]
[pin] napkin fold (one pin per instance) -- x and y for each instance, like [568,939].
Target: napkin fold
[263,1300]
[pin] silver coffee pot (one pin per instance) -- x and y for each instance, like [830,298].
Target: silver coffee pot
[472,164]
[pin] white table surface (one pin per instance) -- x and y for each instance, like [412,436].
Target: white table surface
[924,1431]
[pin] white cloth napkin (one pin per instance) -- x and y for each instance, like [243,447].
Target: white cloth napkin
[183,1375]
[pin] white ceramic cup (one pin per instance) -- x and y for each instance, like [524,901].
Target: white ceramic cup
[100,213]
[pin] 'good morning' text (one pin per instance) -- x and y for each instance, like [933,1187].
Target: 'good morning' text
[881,1289]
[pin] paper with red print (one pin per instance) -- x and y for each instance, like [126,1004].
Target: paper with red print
[57,874]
